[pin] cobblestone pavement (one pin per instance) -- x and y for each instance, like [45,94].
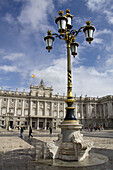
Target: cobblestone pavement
[23,154]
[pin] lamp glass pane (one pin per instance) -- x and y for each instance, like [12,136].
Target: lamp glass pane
[63,24]
[58,24]
[46,42]
[90,33]
[74,49]
[49,42]
[69,20]
[86,33]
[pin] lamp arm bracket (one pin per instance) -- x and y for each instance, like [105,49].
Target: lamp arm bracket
[75,32]
[59,36]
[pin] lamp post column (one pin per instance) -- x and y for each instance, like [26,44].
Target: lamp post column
[70,100]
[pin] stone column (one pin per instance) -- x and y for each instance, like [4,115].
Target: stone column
[30,114]
[110,111]
[87,110]
[95,110]
[104,110]
[44,113]
[45,124]
[37,123]
[23,108]
[51,112]
[8,105]
[0,105]
[37,108]
[15,110]
[58,110]
[82,116]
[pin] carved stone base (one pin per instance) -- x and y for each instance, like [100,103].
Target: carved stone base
[70,145]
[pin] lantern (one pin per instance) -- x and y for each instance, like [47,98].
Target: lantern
[49,41]
[61,22]
[69,18]
[89,30]
[74,46]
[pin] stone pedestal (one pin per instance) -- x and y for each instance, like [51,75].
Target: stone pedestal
[70,145]
[68,129]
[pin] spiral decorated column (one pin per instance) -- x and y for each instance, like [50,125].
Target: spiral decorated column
[70,108]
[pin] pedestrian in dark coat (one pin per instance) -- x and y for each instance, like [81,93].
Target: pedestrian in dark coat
[21,132]
[50,130]
[30,132]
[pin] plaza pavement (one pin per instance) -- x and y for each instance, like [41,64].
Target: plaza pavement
[23,154]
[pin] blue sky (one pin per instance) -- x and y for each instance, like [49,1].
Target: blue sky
[24,23]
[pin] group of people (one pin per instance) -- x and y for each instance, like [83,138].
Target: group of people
[94,128]
[30,132]
[22,130]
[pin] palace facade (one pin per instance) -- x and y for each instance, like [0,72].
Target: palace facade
[41,109]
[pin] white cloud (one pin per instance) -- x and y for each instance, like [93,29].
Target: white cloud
[8,68]
[36,14]
[109,61]
[100,32]
[91,82]
[97,4]
[103,7]
[86,80]
[14,56]
[98,41]
[109,15]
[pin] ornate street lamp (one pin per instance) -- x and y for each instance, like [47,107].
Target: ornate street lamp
[70,127]
[65,33]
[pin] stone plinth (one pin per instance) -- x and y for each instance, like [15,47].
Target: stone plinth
[68,128]
[73,147]
[70,145]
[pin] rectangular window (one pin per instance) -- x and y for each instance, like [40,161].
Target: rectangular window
[25,123]
[3,111]
[26,112]
[2,122]
[18,122]
[19,112]
[4,99]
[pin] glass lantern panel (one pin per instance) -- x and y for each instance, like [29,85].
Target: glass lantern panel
[63,24]
[86,33]
[50,42]
[90,33]
[59,25]
[46,43]
[69,20]
[72,48]
[75,49]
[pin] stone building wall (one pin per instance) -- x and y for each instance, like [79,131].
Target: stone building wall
[41,109]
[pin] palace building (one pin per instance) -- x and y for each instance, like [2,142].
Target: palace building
[41,109]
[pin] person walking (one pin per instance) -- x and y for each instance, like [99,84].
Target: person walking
[30,132]
[21,132]
[50,130]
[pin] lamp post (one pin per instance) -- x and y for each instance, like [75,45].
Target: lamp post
[66,33]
